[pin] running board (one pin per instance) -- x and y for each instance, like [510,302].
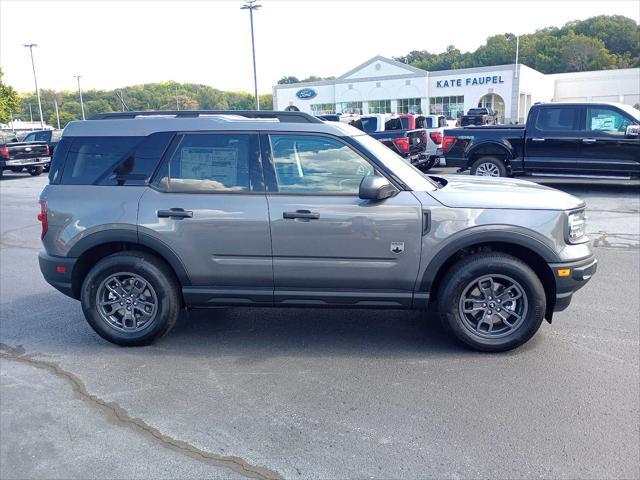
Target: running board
[570,175]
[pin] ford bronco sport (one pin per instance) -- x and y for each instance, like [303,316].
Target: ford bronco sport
[147,213]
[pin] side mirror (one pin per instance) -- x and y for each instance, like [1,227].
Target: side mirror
[376,187]
[632,131]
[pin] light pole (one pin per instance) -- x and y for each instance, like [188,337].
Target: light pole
[35,80]
[80,92]
[251,5]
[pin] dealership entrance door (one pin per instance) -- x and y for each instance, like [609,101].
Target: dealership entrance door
[494,102]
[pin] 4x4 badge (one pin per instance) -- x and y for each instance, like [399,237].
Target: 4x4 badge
[397,247]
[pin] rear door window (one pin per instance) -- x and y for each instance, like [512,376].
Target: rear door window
[212,163]
[369,124]
[557,119]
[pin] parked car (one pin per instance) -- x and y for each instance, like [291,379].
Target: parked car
[145,215]
[52,137]
[18,156]
[558,139]
[434,126]
[479,116]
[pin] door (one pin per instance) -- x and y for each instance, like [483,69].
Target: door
[553,139]
[207,204]
[329,246]
[605,149]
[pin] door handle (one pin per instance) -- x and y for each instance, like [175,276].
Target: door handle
[589,140]
[537,139]
[305,214]
[175,213]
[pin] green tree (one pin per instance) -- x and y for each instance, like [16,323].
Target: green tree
[65,117]
[9,102]
[290,79]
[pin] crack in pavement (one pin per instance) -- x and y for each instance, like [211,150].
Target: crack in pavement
[122,417]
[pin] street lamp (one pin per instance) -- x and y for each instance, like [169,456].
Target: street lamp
[35,79]
[77,77]
[251,5]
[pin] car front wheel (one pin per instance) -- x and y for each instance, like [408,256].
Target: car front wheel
[492,302]
[131,298]
[35,171]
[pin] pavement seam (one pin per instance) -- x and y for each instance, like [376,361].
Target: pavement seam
[123,418]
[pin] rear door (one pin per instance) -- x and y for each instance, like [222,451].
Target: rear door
[553,139]
[207,204]
[329,246]
[605,149]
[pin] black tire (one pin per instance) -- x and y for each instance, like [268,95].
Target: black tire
[501,267]
[493,163]
[156,273]
[36,171]
[428,165]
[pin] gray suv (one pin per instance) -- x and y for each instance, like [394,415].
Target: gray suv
[147,213]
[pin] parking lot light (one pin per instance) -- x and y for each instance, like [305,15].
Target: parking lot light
[35,80]
[251,5]
[77,77]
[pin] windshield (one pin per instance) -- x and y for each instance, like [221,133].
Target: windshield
[406,172]
[369,124]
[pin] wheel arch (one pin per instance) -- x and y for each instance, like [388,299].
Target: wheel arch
[531,251]
[96,246]
[502,150]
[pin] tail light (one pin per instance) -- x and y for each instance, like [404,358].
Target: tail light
[4,152]
[436,137]
[402,144]
[447,143]
[47,150]
[43,217]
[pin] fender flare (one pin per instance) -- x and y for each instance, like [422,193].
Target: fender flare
[132,236]
[482,235]
[506,147]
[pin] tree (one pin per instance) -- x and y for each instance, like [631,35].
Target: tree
[9,102]
[289,79]
[65,117]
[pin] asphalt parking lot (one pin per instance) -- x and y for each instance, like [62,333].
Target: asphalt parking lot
[291,393]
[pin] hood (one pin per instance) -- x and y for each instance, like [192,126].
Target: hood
[462,191]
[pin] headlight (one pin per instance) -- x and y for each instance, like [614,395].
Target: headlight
[577,227]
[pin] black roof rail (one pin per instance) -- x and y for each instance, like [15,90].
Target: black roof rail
[284,117]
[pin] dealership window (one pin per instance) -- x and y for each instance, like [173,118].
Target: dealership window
[409,105]
[351,107]
[323,108]
[451,107]
[379,106]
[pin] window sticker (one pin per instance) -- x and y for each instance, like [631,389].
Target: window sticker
[210,163]
[603,122]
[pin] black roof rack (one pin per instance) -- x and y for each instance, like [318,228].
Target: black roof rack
[284,117]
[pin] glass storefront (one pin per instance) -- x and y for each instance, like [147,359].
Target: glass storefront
[379,106]
[351,107]
[450,107]
[323,108]
[409,105]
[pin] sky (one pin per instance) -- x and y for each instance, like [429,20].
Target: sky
[119,43]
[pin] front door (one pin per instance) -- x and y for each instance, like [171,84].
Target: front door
[329,246]
[207,204]
[606,150]
[553,139]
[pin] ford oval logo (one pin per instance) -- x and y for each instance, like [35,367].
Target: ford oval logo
[306,93]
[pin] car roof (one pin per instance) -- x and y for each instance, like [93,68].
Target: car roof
[146,123]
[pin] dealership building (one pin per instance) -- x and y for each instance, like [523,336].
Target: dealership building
[382,85]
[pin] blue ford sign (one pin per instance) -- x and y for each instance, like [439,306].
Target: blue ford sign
[306,93]
[457,82]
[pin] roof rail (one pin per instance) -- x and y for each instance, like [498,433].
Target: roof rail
[284,117]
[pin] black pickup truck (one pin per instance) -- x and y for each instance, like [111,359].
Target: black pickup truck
[17,156]
[558,139]
[52,137]
[479,116]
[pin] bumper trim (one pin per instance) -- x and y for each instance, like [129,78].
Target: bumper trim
[60,281]
[581,272]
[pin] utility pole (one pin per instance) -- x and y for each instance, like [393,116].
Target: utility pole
[516,76]
[251,5]
[177,103]
[80,92]
[31,117]
[35,80]
[55,102]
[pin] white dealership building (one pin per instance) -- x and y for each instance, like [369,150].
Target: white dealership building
[382,85]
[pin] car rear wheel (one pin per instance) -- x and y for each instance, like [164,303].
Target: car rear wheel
[131,298]
[492,302]
[35,171]
[489,167]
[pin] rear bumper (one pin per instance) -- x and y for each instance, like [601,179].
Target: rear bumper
[57,271]
[25,162]
[571,277]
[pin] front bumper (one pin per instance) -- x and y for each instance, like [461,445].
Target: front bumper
[57,271]
[571,277]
